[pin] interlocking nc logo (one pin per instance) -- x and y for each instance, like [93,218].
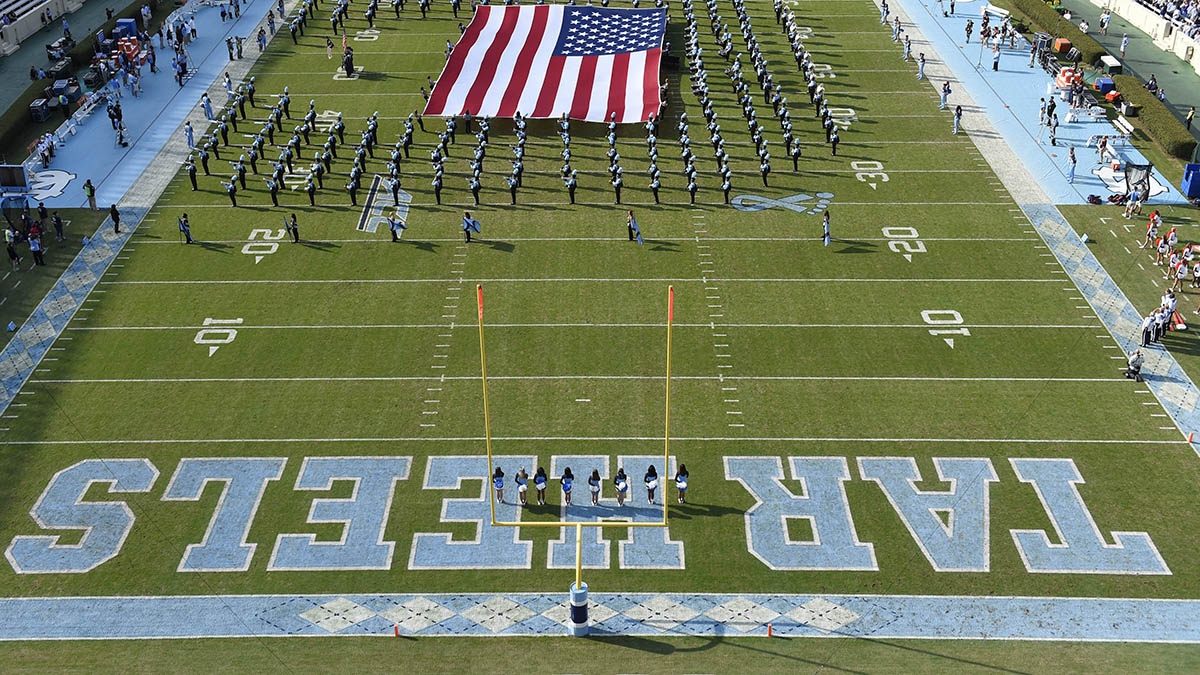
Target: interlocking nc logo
[50,183]
[799,203]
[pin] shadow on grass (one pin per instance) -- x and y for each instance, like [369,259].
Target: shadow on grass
[852,246]
[319,245]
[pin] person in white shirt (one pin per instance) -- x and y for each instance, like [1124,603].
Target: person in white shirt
[1148,329]
[1134,369]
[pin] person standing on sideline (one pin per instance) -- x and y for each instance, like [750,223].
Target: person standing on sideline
[116,218]
[945,94]
[90,191]
[568,481]
[621,483]
[651,479]
[995,59]
[921,66]
[1071,165]
[539,484]
[1147,330]
[957,119]
[498,484]
[294,228]
[1190,116]
[522,481]
[35,247]
[825,237]
[681,480]
[594,486]
[186,228]
[191,139]
[1124,44]
[58,227]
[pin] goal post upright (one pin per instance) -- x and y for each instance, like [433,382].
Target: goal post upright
[578,605]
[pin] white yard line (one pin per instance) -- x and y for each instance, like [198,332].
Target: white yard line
[719,439]
[559,280]
[721,378]
[587,325]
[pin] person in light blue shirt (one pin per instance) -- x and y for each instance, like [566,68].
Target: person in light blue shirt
[568,482]
[594,487]
[539,483]
[522,481]
[1071,161]
[681,482]
[498,484]
[921,66]
[191,139]
[621,483]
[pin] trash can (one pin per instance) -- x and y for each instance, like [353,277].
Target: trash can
[39,110]
[1190,186]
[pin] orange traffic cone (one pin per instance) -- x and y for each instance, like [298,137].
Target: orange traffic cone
[769,633]
[397,629]
[1190,434]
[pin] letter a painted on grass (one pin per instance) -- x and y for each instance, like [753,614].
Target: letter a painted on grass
[244,479]
[950,527]
[1083,549]
[105,525]
[363,516]
[833,545]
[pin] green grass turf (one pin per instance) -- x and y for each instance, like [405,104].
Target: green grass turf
[349,304]
[22,290]
[602,655]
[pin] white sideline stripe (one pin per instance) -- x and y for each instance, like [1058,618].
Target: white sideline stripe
[588,325]
[403,378]
[182,282]
[830,439]
[616,239]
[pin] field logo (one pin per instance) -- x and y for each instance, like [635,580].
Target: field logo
[1115,182]
[379,201]
[50,184]
[799,203]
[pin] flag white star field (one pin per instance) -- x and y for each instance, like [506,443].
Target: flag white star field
[546,60]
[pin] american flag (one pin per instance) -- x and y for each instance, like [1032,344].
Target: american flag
[546,60]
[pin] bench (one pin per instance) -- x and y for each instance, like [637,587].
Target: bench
[1124,128]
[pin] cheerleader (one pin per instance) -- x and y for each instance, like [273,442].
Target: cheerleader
[594,487]
[568,481]
[621,483]
[539,483]
[522,486]
[651,484]
[498,484]
[681,477]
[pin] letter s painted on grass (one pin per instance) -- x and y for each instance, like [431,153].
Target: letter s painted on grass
[105,525]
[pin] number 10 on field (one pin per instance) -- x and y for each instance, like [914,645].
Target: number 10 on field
[945,317]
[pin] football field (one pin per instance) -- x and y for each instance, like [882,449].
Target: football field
[926,406]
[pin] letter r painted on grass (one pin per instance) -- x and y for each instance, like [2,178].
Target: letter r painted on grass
[363,515]
[105,525]
[244,480]
[822,503]
[960,542]
[1083,548]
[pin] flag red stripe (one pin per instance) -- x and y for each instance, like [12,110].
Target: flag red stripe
[650,97]
[583,87]
[487,69]
[521,75]
[437,100]
[616,86]
[545,102]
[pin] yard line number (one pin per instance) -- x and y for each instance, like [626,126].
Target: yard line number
[869,172]
[905,241]
[945,317]
[215,338]
[262,249]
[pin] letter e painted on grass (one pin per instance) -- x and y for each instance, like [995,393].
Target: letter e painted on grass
[224,547]
[491,547]
[363,515]
[834,544]
[1082,548]
[105,525]
[950,527]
